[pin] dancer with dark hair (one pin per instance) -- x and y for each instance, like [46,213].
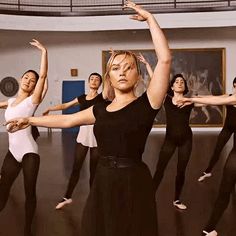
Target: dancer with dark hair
[178,135]
[85,139]
[121,201]
[24,156]
[228,129]
[229,173]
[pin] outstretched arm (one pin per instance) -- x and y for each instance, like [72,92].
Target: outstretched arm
[158,86]
[207,96]
[40,86]
[210,100]
[84,117]
[145,62]
[62,106]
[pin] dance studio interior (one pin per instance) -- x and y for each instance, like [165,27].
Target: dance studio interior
[80,36]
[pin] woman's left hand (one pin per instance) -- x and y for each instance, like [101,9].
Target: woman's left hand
[142,14]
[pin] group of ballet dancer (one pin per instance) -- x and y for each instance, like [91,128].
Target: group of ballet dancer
[114,126]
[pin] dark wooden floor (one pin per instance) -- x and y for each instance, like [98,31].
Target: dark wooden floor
[56,153]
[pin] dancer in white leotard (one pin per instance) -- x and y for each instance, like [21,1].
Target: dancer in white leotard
[23,150]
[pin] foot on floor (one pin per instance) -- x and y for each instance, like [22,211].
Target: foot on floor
[63,202]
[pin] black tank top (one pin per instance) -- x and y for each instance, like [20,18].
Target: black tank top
[84,104]
[177,120]
[123,133]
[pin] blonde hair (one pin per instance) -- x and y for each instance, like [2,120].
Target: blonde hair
[108,89]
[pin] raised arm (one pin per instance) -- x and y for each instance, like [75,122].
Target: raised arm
[45,89]
[84,117]
[40,86]
[62,106]
[158,86]
[145,62]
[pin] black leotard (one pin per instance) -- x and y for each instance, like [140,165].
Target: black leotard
[177,129]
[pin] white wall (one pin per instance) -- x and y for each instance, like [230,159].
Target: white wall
[83,50]
[77,23]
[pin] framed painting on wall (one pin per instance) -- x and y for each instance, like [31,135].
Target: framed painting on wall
[204,70]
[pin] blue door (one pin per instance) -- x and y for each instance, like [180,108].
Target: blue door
[71,90]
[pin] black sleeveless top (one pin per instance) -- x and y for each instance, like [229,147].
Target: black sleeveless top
[84,104]
[123,133]
[177,120]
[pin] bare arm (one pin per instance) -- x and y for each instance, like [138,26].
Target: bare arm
[158,86]
[210,100]
[216,100]
[45,89]
[62,106]
[4,104]
[160,80]
[145,62]
[84,117]
[40,86]
[207,96]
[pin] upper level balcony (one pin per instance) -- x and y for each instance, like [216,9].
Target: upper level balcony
[109,7]
[100,15]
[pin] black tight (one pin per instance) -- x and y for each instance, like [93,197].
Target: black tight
[222,139]
[167,151]
[226,187]
[9,172]
[80,154]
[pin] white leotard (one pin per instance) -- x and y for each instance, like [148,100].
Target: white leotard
[22,141]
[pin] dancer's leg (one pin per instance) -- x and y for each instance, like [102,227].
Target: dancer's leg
[222,139]
[226,187]
[167,150]
[9,172]
[80,154]
[184,153]
[30,166]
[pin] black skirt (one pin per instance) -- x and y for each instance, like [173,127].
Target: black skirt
[121,201]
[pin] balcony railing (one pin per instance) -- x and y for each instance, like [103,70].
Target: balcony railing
[109,7]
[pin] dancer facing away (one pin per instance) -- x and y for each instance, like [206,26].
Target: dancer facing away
[229,173]
[121,201]
[228,129]
[178,135]
[25,156]
[85,139]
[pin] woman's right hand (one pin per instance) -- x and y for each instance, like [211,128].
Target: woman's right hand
[37,44]
[17,124]
[142,14]
[142,59]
